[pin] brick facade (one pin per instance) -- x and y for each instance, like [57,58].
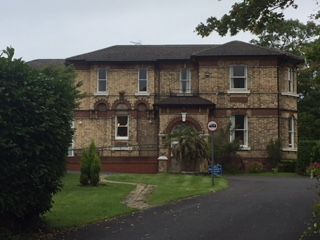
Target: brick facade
[268,105]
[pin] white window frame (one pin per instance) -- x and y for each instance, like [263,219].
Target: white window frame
[187,80]
[245,145]
[232,77]
[140,79]
[291,132]
[291,80]
[116,128]
[99,80]
[71,146]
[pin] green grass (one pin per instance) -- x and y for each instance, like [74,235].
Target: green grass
[173,187]
[76,205]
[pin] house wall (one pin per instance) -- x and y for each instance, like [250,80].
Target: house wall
[266,108]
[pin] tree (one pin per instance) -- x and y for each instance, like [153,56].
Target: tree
[289,35]
[251,16]
[35,117]
[189,147]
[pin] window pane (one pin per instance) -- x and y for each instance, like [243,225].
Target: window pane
[142,85]
[239,121]
[183,74]
[122,120]
[142,73]
[183,86]
[102,74]
[239,71]
[239,136]
[122,132]
[102,85]
[239,83]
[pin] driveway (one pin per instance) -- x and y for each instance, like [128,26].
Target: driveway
[257,208]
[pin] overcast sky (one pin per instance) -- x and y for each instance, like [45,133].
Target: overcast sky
[63,28]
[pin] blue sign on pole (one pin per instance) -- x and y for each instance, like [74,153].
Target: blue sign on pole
[217,170]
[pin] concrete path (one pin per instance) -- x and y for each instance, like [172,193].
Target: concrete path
[253,208]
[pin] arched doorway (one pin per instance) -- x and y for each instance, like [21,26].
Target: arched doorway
[182,132]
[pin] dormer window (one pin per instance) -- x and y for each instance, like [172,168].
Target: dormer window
[238,77]
[185,80]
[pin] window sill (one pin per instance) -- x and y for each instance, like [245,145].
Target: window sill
[238,91]
[121,149]
[289,149]
[142,94]
[245,148]
[290,94]
[181,94]
[101,94]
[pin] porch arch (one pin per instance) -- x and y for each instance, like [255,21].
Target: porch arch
[177,121]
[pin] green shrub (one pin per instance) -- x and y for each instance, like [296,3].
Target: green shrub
[257,167]
[90,166]
[274,152]
[287,166]
[35,116]
[95,170]
[315,153]
[85,168]
[304,155]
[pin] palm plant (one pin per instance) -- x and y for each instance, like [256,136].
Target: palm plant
[187,147]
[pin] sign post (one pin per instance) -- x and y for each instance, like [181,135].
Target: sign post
[212,127]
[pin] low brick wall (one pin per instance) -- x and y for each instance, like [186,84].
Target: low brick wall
[120,164]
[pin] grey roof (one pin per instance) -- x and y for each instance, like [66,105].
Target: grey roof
[136,53]
[187,101]
[43,63]
[130,53]
[238,48]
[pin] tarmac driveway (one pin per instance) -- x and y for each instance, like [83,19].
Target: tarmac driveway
[257,208]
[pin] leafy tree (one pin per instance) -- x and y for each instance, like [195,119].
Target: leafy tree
[35,116]
[288,35]
[190,147]
[247,15]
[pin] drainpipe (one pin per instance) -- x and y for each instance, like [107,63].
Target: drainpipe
[278,100]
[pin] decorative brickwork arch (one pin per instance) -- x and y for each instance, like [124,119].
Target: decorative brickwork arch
[177,121]
[117,102]
[101,105]
[140,102]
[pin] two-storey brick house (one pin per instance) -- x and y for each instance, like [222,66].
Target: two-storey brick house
[137,94]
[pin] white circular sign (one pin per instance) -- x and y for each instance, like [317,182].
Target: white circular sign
[212,126]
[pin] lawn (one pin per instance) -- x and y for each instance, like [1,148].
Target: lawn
[76,205]
[172,187]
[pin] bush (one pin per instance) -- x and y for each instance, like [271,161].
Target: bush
[257,167]
[304,155]
[90,166]
[274,152]
[287,166]
[35,116]
[225,152]
[315,153]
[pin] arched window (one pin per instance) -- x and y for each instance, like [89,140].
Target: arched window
[101,107]
[141,107]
